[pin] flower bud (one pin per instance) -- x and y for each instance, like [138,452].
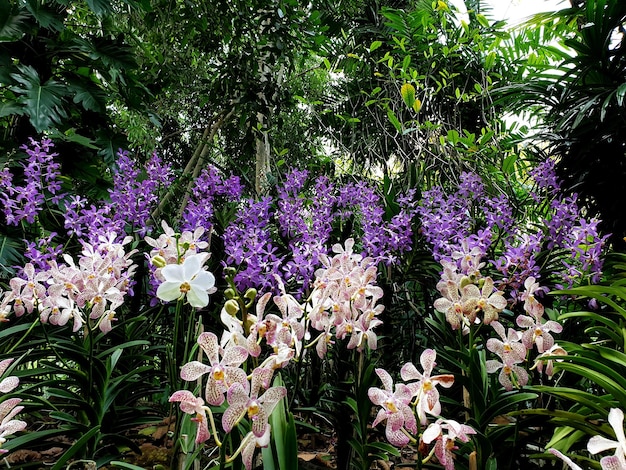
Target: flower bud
[232,307]
[230,293]
[158,261]
[465,281]
[250,294]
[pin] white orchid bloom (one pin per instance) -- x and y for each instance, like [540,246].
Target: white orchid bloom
[600,443]
[187,280]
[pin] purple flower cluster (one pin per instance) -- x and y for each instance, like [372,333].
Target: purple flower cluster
[248,244]
[136,191]
[87,221]
[209,185]
[135,194]
[304,219]
[42,252]
[462,227]
[41,180]
[305,215]
[518,261]
[383,241]
[446,221]
[585,245]
[544,175]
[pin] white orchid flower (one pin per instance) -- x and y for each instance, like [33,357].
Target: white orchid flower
[188,280]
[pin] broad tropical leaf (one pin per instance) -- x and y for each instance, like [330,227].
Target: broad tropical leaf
[42,102]
[11,22]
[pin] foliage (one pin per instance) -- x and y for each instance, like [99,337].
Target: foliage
[576,87]
[58,78]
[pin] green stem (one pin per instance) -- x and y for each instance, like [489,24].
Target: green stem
[190,337]
[21,340]
[299,366]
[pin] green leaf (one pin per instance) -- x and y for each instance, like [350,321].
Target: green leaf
[394,120]
[24,440]
[42,103]
[7,109]
[375,45]
[129,466]
[76,447]
[90,99]
[100,7]
[482,20]
[385,448]
[46,17]
[408,94]
[12,22]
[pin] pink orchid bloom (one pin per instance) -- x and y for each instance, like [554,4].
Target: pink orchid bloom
[7,384]
[257,408]
[425,389]
[8,425]
[250,443]
[453,305]
[445,432]
[193,405]
[222,374]
[511,375]
[484,300]
[27,293]
[508,348]
[555,350]
[538,333]
[395,409]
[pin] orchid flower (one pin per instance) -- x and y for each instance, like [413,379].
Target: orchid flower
[193,405]
[222,374]
[446,432]
[8,425]
[188,280]
[257,408]
[425,389]
[395,409]
[600,443]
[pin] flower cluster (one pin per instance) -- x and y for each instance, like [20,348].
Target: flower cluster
[94,287]
[463,302]
[342,305]
[176,264]
[344,299]
[9,408]
[303,216]
[209,186]
[248,244]
[136,191]
[135,194]
[383,241]
[418,396]
[41,179]
[468,299]
[468,220]
[306,224]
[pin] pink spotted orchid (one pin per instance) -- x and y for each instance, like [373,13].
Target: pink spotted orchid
[222,373]
[445,433]
[394,409]
[193,405]
[245,401]
[425,388]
